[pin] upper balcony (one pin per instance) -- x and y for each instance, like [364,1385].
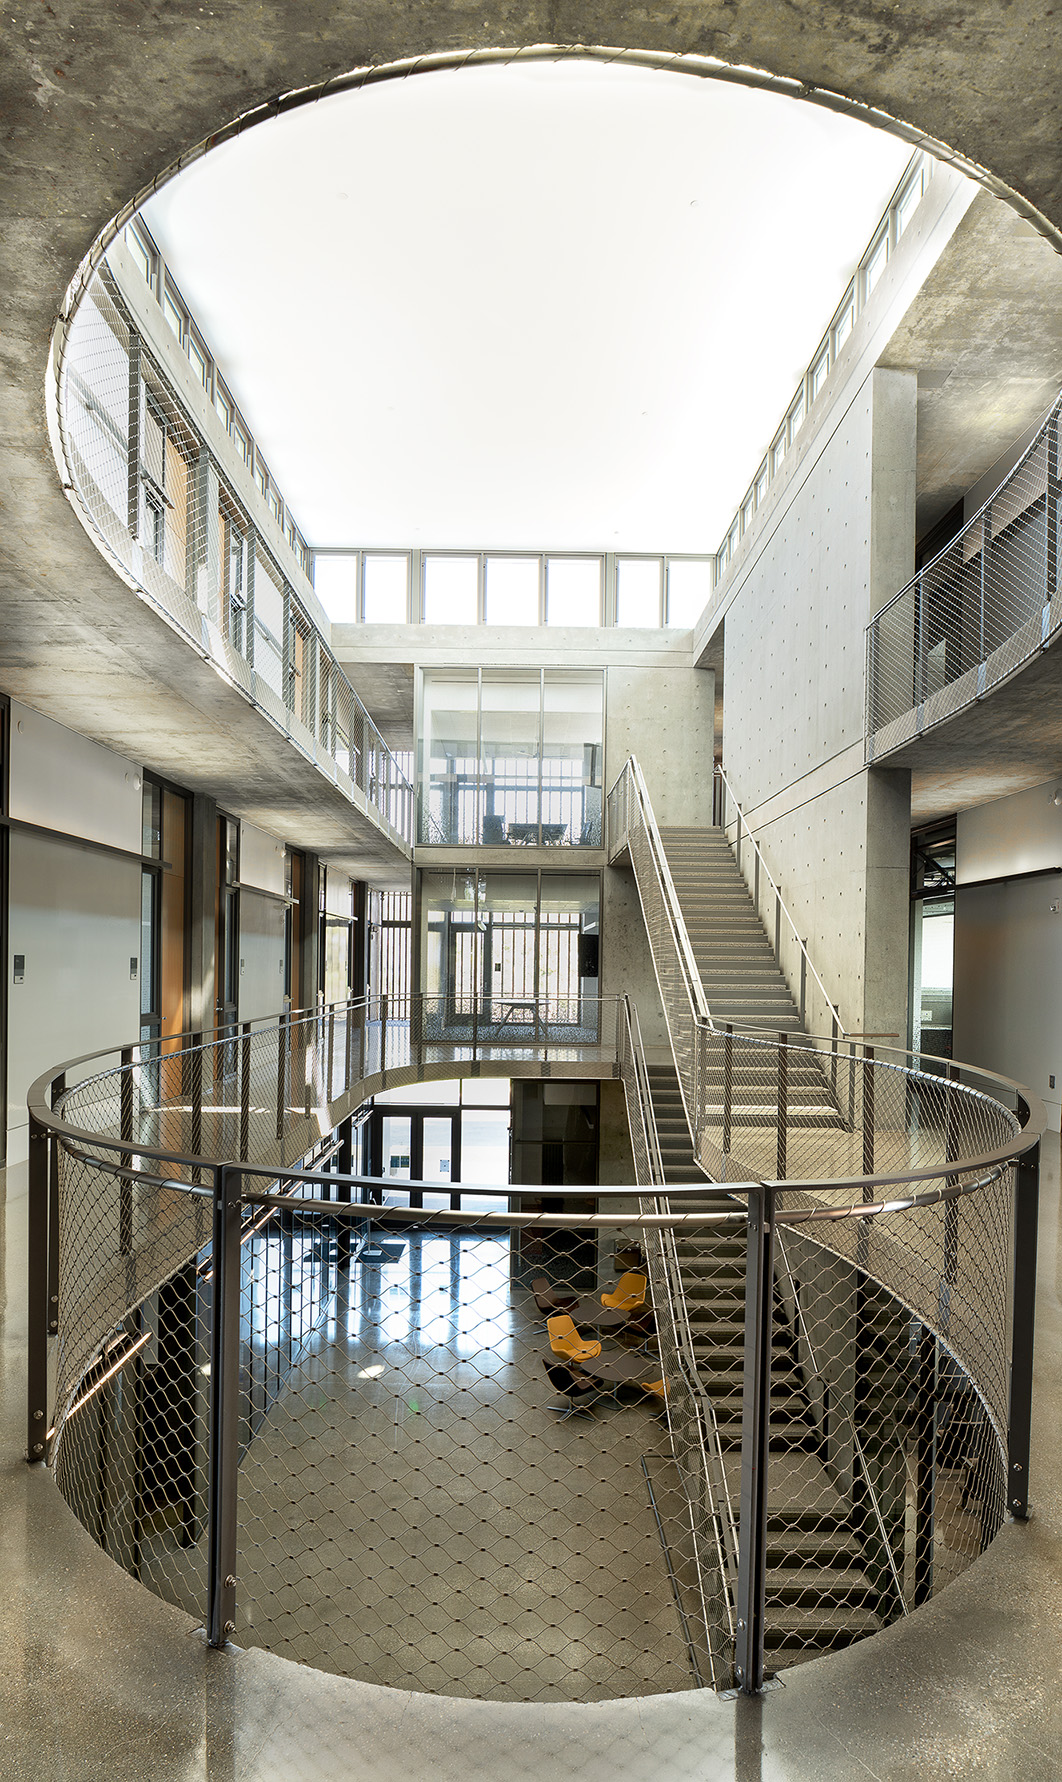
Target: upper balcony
[167,480]
[984,609]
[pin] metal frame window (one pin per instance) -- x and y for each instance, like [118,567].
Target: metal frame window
[899,212]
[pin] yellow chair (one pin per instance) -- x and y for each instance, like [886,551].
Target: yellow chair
[629,1293]
[565,1340]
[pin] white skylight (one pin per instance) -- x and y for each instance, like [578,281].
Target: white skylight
[555,305]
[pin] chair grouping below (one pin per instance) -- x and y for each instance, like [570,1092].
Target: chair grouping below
[583,1370]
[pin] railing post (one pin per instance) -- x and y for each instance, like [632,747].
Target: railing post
[282,1074]
[728,1086]
[344,1191]
[385,1004]
[803,982]
[1051,512]
[756,882]
[196,1063]
[37,1344]
[926,1466]
[868,1113]
[755,1443]
[920,673]
[986,535]
[1026,1214]
[245,1091]
[125,1187]
[783,1105]
[224,1409]
[58,1088]
[331,1048]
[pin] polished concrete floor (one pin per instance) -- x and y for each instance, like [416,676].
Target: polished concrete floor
[100,1680]
[413,1511]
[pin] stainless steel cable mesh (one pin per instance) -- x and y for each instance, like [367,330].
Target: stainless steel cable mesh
[419,1501]
[983,606]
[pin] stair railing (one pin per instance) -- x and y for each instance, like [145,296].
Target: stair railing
[727,811]
[692,1423]
[633,827]
[818,1374]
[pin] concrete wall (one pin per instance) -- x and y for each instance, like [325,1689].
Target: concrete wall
[1008,942]
[666,717]
[835,836]
[74,910]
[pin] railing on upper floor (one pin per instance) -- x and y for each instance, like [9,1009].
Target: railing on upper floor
[984,607]
[181,516]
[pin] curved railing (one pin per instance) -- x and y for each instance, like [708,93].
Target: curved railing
[173,503]
[982,608]
[210,1256]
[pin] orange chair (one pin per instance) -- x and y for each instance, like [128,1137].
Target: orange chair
[629,1293]
[565,1340]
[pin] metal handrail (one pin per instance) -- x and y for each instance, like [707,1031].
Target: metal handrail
[781,905]
[857,1445]
[723,1520]
[972,524]
[631,777]
[1025,591]
[260,1183]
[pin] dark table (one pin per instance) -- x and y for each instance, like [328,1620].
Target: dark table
[623,1370]
[590,1311]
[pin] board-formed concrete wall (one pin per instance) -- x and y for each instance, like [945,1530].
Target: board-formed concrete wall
[834,835]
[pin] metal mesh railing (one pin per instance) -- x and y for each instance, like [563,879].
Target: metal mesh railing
[708,1555]
[985,605]
[846,1478]
[200,539]
[341,1427]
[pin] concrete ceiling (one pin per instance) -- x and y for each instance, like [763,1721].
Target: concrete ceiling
[97,99]
[985,336]
[1004,743]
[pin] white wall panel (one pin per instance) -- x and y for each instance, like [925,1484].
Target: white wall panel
[75,916]
[61,781]
[261,859]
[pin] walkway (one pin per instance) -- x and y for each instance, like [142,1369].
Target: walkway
[100,1680]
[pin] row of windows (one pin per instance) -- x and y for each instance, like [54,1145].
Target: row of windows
[512,588]
[159,281]
[868,275]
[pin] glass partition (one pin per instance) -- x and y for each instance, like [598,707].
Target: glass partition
[450,754]
[510,954]
[512,758]
[510,717]
[571,759]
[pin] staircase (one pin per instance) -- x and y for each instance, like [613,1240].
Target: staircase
[819,1595]
[736,962]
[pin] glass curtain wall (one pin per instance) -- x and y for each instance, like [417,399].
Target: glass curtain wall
[510,955]
[512,758]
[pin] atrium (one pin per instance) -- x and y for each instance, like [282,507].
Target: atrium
[513,863]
